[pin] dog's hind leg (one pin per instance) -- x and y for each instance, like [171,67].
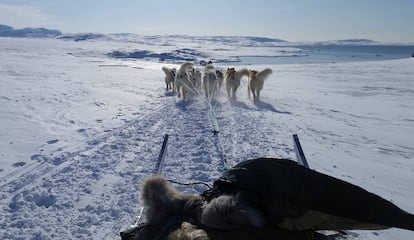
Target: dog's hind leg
[234,93]
[254,95]
[168,85]
[248,90]
[228,90]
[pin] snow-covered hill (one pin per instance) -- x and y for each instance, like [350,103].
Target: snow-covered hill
[7,31]
[81,130]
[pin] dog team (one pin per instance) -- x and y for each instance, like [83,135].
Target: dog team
[189,81]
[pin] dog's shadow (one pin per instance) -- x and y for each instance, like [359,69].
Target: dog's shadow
[170,93]
[214,102]
[184,104]
[260,105]
[269,107]
[236,103]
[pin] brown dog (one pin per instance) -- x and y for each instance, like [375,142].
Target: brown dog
[256,82]
[232,78]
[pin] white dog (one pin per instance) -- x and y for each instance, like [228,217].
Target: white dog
[256,81]
[196,74]
[209,83]
[220,79]
[183,80]
[233,80]
[169,77]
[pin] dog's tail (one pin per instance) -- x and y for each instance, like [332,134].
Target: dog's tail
[184,67]
[168,72]
[243,72]
[264,73]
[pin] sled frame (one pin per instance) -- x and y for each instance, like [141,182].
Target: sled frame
[301,159]
[157,171]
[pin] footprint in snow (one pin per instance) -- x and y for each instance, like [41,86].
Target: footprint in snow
[52,141]
[39,157]
[19,164]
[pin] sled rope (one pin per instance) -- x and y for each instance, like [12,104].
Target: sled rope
[212,116]
[216,132]
[190,184]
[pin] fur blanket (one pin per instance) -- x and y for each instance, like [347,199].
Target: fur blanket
[172,215]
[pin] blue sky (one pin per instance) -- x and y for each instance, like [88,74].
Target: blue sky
[292,20]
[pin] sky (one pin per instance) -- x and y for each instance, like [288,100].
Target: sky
[291,20]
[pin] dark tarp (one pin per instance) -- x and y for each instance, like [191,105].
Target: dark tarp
[285,190]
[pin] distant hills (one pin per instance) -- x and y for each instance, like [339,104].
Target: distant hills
[7,31]
[357,41]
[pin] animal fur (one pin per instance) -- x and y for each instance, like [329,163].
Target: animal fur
[162,201]
[188,231]
[183,80]
[230,212]
[220,79]
[233,80]
[226,217]
[256,82]
[169,77]
[209,83]
[196,75]
[209,66]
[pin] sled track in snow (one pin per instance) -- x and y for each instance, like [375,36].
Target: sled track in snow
[105,172]
[193,147]
[246,138]
[50,163]
[95,185]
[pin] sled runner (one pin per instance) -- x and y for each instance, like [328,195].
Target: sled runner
[131,231]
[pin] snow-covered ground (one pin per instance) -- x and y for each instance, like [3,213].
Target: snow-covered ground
[81,130]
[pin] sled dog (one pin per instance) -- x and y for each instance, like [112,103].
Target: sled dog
[209,83]
[233,80]
[220,79]
[183,80]
[256,81]
[169,77]
[196,74]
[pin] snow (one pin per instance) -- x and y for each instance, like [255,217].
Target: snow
[81,130]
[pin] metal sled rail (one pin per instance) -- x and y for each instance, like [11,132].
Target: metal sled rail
[301,159]
[157,171]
